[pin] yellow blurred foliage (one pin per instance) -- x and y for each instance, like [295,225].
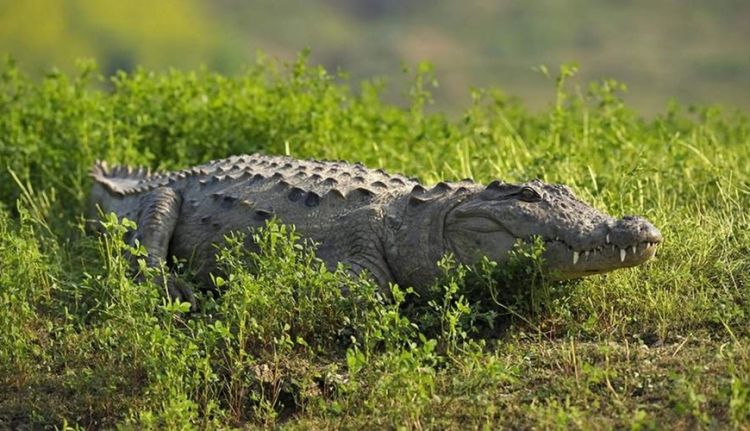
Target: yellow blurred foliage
[155,34]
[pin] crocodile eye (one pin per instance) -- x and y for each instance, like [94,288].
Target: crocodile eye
[527,194]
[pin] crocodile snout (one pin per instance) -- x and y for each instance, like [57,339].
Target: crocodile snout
[633,230]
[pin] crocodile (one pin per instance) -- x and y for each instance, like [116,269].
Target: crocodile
[388,225]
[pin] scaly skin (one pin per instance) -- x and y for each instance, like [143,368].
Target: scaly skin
[388,225]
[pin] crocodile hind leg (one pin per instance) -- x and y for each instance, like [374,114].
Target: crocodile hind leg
[157,219]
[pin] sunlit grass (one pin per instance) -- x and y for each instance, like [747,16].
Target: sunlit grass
[661,345]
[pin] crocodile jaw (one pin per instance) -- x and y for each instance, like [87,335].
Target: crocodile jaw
[564,263]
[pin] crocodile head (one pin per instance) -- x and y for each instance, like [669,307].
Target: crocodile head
[579,239]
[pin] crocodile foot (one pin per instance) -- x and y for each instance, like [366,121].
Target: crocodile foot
[179,290]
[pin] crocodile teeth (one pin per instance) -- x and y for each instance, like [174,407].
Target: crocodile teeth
[576,255]
[634,249]
[622,254]
[607,239]
[586,254]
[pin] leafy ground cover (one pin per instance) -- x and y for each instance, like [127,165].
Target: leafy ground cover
[83,346]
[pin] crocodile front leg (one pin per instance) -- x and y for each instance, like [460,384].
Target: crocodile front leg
[160,211]
[357,243]
[372,266]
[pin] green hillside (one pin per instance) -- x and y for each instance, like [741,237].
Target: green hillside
[694,51]
[664,345]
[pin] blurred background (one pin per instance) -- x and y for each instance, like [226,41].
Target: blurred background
[693,51]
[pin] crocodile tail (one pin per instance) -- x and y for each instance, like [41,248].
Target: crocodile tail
[102,170]
[99,170]
[119,179]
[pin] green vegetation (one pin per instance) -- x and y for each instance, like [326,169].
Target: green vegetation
[663,345]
